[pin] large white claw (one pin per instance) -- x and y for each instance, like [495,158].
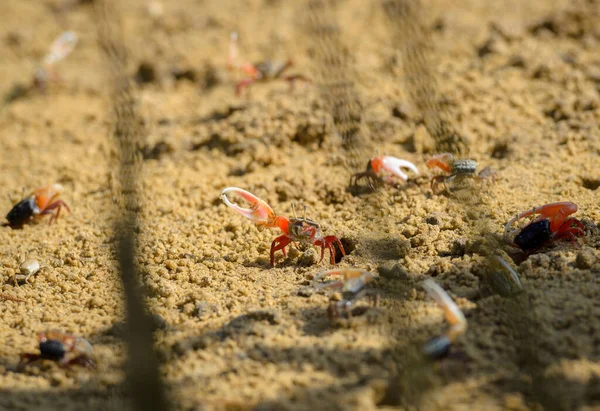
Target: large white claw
[61,48]
[395,165]
[259,211]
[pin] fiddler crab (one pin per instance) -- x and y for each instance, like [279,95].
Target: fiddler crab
[439,347]
[295,229]
[259,72]
[456,169]
[63,348]
[352,287]
[60,48]
[46,72]
[41,202]
[383,170]
[552,224]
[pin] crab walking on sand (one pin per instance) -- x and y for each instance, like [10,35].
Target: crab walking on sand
[439,347]
[552,224]
[352,286]
[456,169]
[294,229]
[259,72]
[383,170]
[41,202]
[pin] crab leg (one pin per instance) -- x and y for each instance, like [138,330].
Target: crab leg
[393,165]
[259,211]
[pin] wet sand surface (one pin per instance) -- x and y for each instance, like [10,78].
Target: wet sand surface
[522,83]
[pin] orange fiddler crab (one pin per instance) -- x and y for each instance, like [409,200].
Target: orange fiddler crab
[41,202]
[552,224]
[62,348]
[263,71]
[351,285]
[457,170]
[383,170]
[439,347]
[294,229]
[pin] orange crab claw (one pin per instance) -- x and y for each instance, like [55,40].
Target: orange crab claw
[259,211]
[441,161]
[556,212]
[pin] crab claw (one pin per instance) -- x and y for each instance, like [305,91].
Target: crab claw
[393,165]
[354,279]
[453,314]
[259,211]
[61,48]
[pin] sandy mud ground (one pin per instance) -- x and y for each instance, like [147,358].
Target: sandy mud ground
[522,82]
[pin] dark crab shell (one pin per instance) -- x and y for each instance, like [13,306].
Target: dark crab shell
[534,235]
[22,212]
[464,167]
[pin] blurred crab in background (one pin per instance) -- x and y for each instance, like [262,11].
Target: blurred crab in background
[259,72]
[384,170]
[439,347]
[295,229]
[457,171]
[46,72]
[351,284]
[63,348]
[552,224]
[41,202]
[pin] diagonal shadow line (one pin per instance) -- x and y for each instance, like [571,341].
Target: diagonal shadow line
[144,382]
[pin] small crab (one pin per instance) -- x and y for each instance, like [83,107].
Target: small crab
[294,229]
[382,170]
[41,202]
[552,224]
[62,348]
[457,170]
[352,287]
[28,268]
[259,72]
[439,347]
[60,48]
[46,71]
